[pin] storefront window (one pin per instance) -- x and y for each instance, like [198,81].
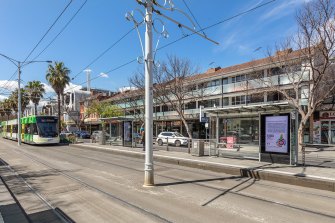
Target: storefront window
[244,130]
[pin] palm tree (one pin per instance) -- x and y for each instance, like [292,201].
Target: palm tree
[35,91]
[58,78]
[14,98]
[7,106]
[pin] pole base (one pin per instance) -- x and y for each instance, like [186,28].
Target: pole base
[148,178]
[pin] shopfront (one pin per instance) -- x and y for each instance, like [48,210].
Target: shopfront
[241,124]
[326,126]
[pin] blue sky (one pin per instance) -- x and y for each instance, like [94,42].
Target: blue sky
[102,22]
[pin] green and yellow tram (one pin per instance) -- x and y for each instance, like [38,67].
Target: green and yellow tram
[35,129]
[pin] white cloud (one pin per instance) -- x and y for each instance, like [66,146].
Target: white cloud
[2,97]
[281,10]
[104,75]
[8,85]
[48,88]
[72,87]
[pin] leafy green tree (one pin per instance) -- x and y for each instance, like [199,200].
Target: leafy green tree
[58,77]
[104,109]
[35,91]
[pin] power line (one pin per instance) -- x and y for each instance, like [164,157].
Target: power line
[111,70]
[48,30]
[218,23]
[195,19]
[40,41]
[66,25]
[105,51]
[7,81]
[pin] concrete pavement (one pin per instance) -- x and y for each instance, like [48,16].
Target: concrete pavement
[308,176]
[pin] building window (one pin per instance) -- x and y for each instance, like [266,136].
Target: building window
[210,103]
[255,98]
[165,108]
[256,75]
[274,96]
[224,81]
[238,78]
[225,101]
[157,109]
[239,100]
[191,105]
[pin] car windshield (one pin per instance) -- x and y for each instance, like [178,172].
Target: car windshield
[178,134]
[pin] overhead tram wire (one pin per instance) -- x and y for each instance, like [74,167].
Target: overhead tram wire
[39,41]
[7,82]
[48,30]
[105,51]
[218,23]
[61,31]
[195,19]
[111,70]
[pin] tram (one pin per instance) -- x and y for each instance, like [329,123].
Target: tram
[36,129]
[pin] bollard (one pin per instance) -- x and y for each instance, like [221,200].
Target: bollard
[303,155]
[189,146]
[167,143]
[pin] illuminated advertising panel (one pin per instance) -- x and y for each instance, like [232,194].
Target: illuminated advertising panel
[276,134]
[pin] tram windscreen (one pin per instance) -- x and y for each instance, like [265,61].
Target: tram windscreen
[47,126]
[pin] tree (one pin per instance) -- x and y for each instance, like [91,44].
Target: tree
[35,91]
[305,76]
[13,99]
[104,109]
[58,78]
[175,86]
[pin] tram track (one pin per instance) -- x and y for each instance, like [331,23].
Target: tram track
[111,196]
[202,184]
[259,183]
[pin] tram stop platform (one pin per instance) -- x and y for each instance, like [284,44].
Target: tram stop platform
[317,177]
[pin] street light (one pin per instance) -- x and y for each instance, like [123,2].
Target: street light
[20,64]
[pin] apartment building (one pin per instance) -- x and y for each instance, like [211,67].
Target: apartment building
[234,98]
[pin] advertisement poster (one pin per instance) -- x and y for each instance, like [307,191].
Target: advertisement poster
[276,134]
[317,132]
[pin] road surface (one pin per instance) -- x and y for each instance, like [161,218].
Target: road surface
[93,186]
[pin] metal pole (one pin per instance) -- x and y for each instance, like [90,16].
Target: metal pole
[19,105]
[148,166]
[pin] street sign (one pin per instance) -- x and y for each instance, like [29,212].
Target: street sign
[292,115]
[204,119]
[206,125]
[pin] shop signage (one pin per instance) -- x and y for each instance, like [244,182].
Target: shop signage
[276,134]
[327,115]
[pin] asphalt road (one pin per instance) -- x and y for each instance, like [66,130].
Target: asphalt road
[93,186]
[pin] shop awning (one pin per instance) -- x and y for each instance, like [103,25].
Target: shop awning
[263,107]
[116,119]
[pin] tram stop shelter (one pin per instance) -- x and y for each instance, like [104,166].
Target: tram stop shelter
[120,130]
[264,131]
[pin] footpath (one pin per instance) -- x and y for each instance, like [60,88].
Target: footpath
[10,209]
[309,176]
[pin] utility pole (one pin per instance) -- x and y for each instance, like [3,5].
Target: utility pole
[19,105]
[149,166]
[88,77]
[20,64]
[148,65]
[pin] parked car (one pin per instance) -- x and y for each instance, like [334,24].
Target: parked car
[83,134]
[174,138]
